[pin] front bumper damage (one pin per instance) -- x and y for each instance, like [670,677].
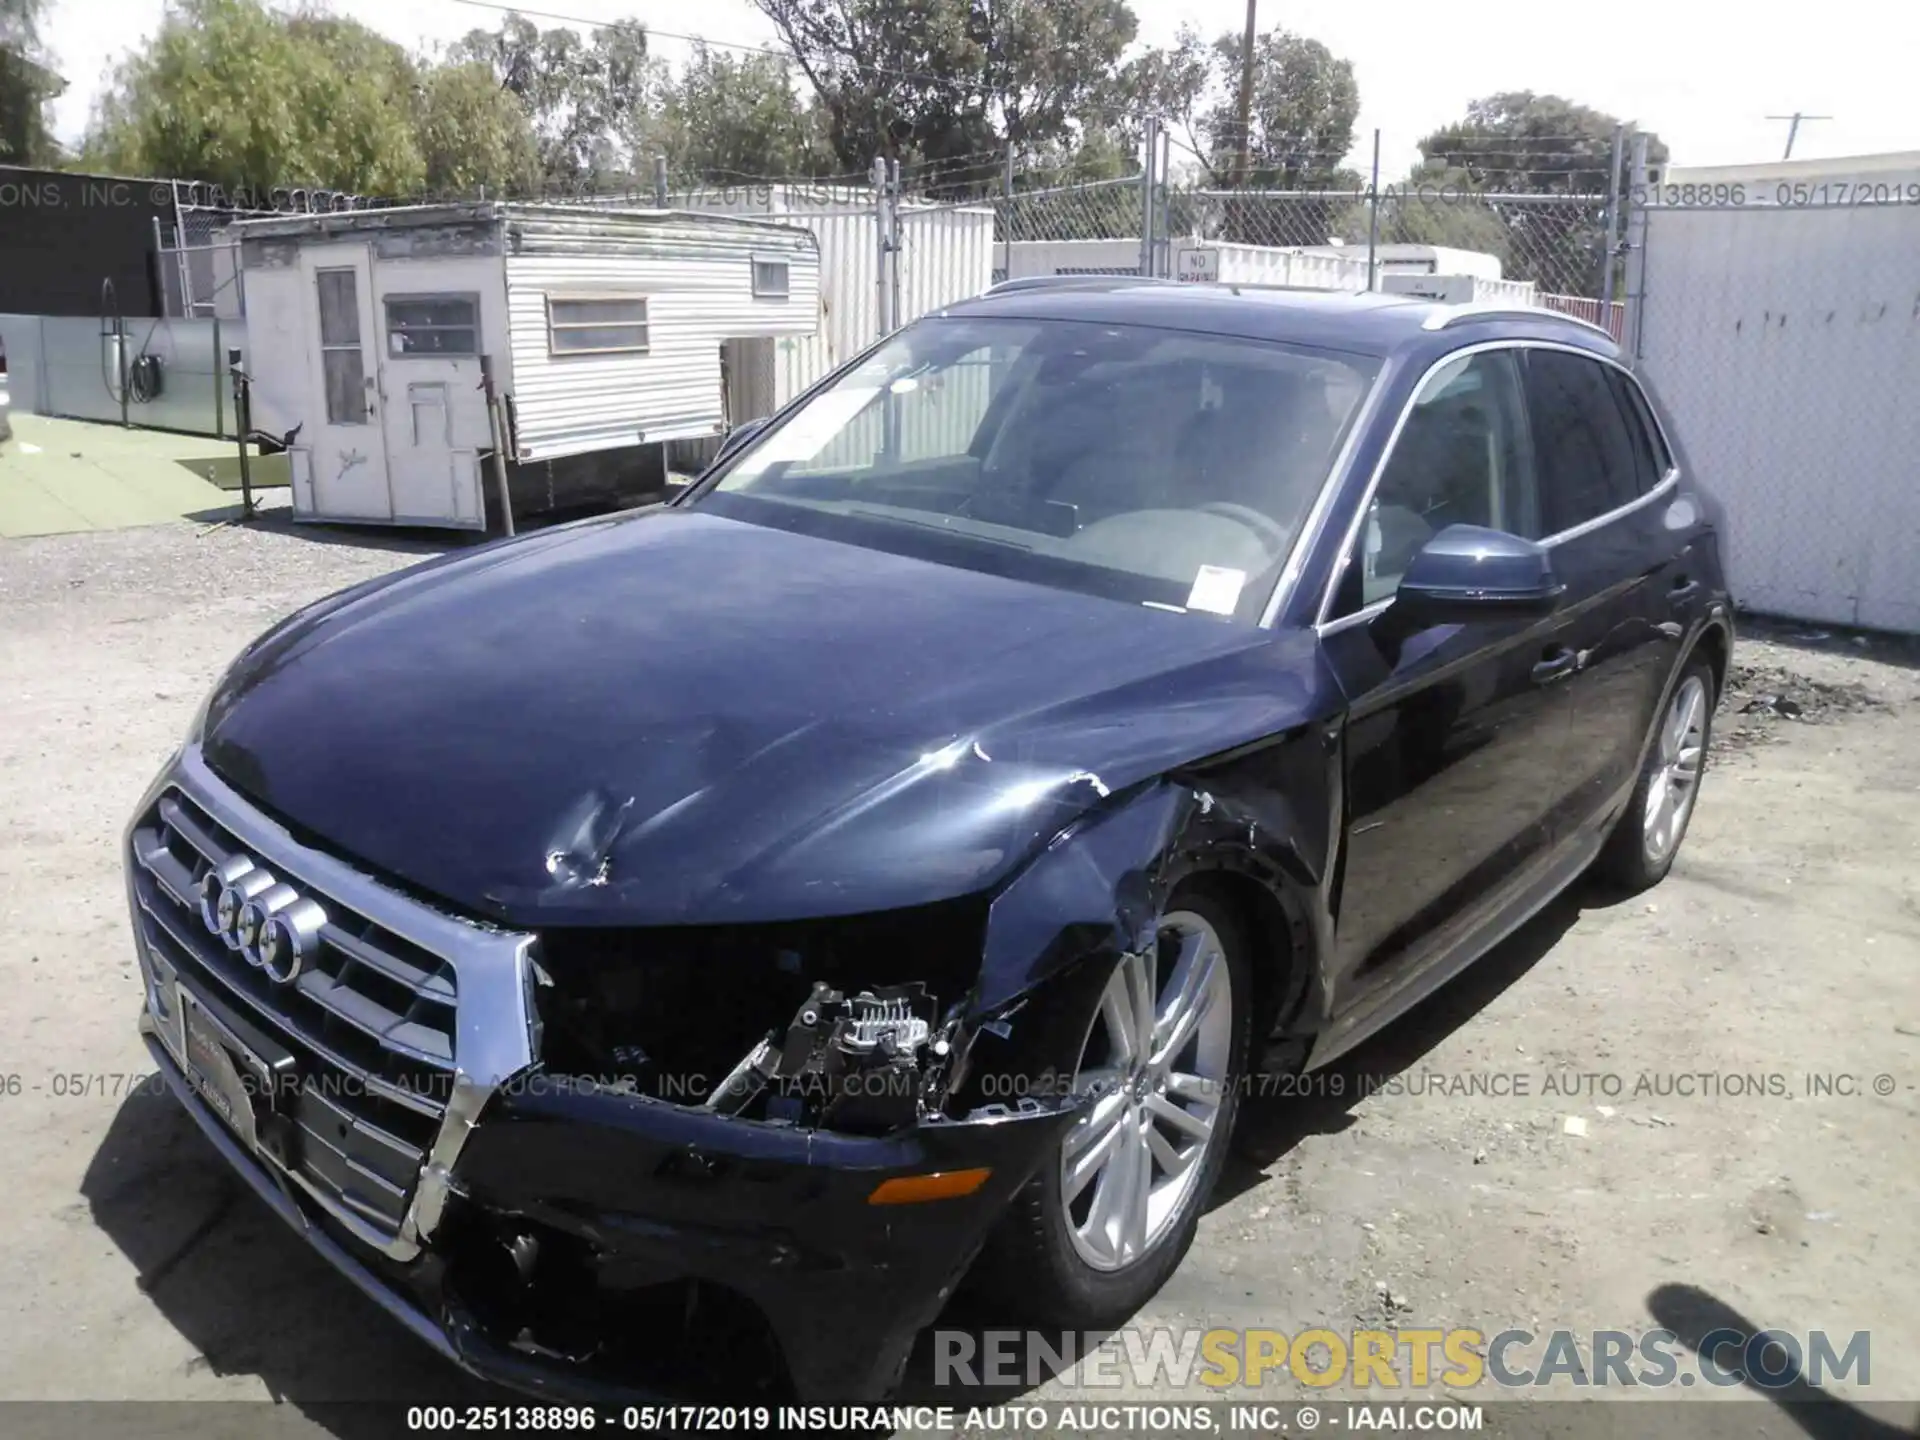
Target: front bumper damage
[586,1229]
[590,1239]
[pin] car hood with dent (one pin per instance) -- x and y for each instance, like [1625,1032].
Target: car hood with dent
[674,718]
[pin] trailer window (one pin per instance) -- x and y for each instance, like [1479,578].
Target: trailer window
[598,325]
[770,279]
[433,325]
[343,369]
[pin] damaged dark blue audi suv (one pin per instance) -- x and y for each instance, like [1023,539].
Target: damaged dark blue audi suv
[883,864]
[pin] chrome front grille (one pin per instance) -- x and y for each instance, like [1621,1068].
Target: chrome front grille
[371,1018]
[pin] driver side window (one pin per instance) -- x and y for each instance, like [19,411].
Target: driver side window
[1462,458]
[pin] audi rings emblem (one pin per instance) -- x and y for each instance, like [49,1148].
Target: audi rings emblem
[273,926]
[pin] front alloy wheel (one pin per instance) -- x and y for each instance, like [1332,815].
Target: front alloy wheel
[1095,1232]
[1155,1060]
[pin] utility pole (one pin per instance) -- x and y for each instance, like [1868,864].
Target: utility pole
[1148,260]
[1793,127]
[1636,252]
[1244,112]
[1610,251]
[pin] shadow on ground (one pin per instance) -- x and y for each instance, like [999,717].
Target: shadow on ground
[1707,1326]
[275,516]
[242,1289]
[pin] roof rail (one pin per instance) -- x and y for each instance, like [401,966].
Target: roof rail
[1448,315]
[1073,282]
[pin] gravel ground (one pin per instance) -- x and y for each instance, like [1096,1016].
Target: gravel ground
[1784,944]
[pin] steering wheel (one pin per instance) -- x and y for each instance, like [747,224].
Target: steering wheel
[1257,521]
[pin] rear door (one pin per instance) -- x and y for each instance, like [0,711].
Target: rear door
[1600,484]
[346,449]
[1456,743]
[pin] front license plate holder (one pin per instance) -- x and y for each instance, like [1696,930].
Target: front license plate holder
[238,1083]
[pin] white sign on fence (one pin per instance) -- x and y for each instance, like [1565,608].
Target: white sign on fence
[1195,265]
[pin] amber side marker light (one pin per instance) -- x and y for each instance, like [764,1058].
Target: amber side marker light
[940,1185]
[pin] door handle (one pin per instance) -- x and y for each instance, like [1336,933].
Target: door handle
[1557,666]
[1682,590]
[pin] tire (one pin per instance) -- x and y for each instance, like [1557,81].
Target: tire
[1641,849]
[1050,1257]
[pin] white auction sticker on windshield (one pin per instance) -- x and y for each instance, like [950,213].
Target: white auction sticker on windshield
[1216,589]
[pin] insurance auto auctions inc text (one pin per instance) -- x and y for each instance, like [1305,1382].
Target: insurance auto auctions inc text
[1221,1360]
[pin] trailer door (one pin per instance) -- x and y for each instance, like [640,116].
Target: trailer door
[436,420]
[348,455]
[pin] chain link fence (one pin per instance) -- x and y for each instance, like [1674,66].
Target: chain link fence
[198,257]
[1548,246]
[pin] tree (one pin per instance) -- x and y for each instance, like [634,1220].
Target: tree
[1305,102]
[1520,143]
[727,118]
[249,99]
[25,86]
[474,135]
[585,97]
[953,83]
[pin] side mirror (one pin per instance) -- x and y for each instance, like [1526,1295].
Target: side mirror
[1468,573]
[739,436]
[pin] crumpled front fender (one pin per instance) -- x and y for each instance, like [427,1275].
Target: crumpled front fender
[1098,889]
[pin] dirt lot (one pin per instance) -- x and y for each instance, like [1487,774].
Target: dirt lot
[1786,944]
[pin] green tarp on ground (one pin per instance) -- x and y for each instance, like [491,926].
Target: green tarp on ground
[58,476]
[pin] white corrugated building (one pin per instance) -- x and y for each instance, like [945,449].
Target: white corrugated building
[1780,319]
[604,330]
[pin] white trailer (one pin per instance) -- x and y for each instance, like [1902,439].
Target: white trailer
[602,328]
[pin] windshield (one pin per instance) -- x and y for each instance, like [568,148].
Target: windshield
[1157,466]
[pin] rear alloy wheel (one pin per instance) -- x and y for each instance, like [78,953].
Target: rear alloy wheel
[1647,836]
[1095,1233]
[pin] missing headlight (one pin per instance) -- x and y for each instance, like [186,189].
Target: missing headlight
[849,1062]
[718,1017]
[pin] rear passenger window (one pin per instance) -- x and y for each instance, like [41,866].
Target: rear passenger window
[1582,448]
[1649,450]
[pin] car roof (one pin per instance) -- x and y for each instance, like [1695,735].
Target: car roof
[1367,323]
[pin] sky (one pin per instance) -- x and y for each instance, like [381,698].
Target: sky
[1704,76]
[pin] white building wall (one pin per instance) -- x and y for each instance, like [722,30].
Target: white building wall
[1272,265]
[1239,264]
[1462,289]
[1785,339]
[1068,257]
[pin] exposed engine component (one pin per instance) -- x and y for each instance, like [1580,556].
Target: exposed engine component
[848,1062]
